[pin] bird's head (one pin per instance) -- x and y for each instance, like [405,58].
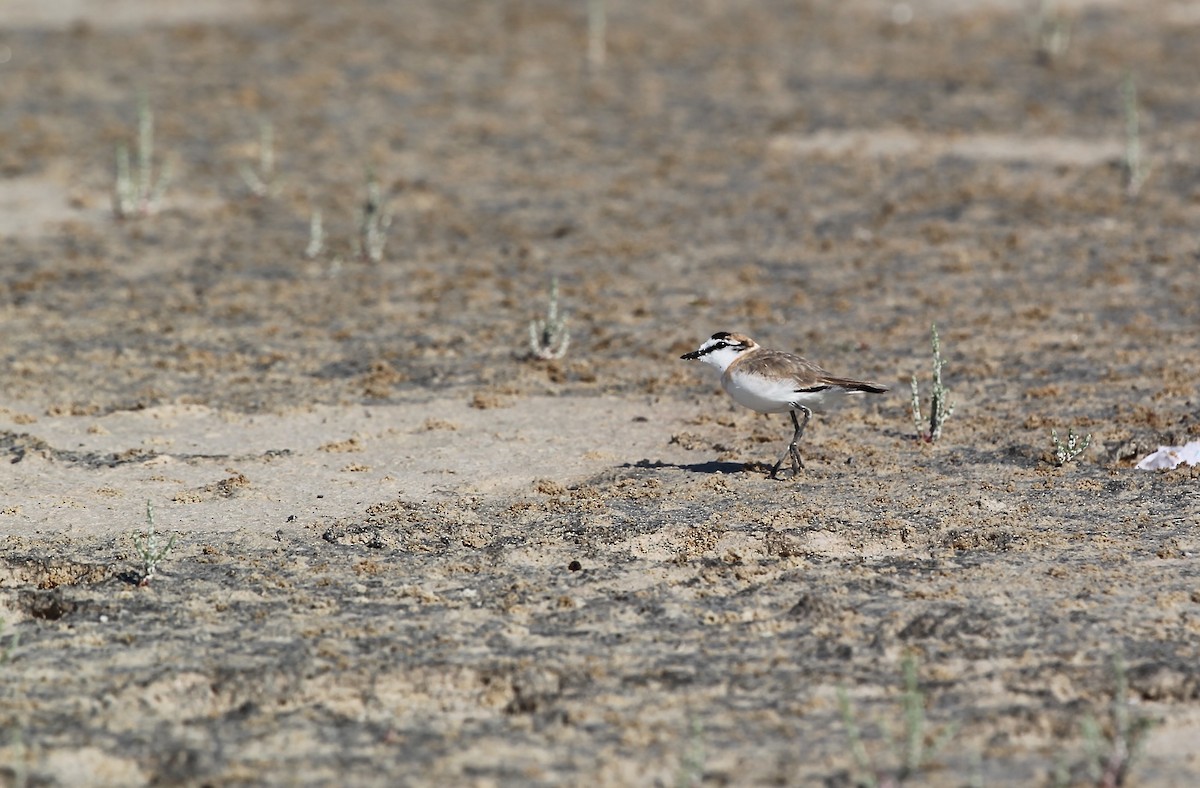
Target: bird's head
[721,349]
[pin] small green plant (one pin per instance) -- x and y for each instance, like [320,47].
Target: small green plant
[1109,758]
[150,548]
[912,750]
[1135,171]
[261,181]
[549,338]
[140,194]
[597,33]
[373,223]
[940,406]
[316,236]
[1065,452]
[1051,33]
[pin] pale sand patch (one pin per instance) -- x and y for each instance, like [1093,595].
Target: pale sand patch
[1024,8]
[124,14]
[40,205]
[1165,742]
[213,471]
[29,204]
[88,766]
[896,143]
[118,14]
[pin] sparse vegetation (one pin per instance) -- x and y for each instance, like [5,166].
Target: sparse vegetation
[373,223]
[574,572]
[940,406]
[1075,446]
[150,548]
[912,750]
[549,338]
[140,193]
[261,181]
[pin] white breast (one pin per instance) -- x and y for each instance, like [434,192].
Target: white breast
[775,395]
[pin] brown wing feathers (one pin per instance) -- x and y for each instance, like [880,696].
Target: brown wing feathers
[809,377]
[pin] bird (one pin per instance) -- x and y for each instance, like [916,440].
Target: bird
[773,381]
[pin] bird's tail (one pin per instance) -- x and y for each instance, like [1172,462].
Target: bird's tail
[858,385]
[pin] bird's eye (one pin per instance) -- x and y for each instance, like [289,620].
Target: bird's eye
[720,345]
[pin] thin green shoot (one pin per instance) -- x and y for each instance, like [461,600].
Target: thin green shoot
[913,749]
[13,641]
[1051,32]
[691,767]
[550,338]
[316,236]
[261,181]
[1135,170]
[597,33]
[374,222]
[940,406]
[1109,759]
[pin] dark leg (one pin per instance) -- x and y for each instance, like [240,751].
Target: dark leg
[793,449]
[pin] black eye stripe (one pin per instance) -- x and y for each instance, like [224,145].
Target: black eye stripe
[717,346]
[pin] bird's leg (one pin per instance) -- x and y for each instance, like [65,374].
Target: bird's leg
[793,449]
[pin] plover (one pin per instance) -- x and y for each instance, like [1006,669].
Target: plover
[772,381]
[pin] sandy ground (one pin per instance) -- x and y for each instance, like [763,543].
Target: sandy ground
[407,554]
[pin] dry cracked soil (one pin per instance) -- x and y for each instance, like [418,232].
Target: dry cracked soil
[407,553]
